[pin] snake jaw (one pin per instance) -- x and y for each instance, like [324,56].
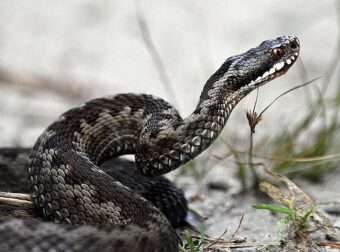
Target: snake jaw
[275,71]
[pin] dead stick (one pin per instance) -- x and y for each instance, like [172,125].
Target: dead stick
[16,199]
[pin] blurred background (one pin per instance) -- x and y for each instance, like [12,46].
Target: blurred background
[55,55]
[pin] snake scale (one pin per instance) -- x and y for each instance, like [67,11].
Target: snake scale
[68,186]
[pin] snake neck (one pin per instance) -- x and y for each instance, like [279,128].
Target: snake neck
[183,140]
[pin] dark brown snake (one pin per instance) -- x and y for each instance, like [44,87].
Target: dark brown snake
[68,186]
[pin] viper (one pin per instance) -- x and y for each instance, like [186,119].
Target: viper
[94,210]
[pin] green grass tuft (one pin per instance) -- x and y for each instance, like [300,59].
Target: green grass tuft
[191,244]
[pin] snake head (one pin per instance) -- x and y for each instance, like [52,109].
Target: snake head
[242,73]
[272,58]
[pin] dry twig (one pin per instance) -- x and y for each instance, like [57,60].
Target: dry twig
[156,58]
[15,199]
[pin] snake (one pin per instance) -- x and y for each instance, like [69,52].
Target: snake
[93,210]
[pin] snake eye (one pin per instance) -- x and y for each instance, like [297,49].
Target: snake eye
[277,53]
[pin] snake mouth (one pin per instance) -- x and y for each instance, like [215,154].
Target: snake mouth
[276,70]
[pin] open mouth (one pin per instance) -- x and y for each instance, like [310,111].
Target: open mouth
[277,70]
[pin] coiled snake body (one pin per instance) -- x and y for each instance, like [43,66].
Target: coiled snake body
[68,186]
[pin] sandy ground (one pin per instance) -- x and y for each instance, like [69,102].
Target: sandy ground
[87,49]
